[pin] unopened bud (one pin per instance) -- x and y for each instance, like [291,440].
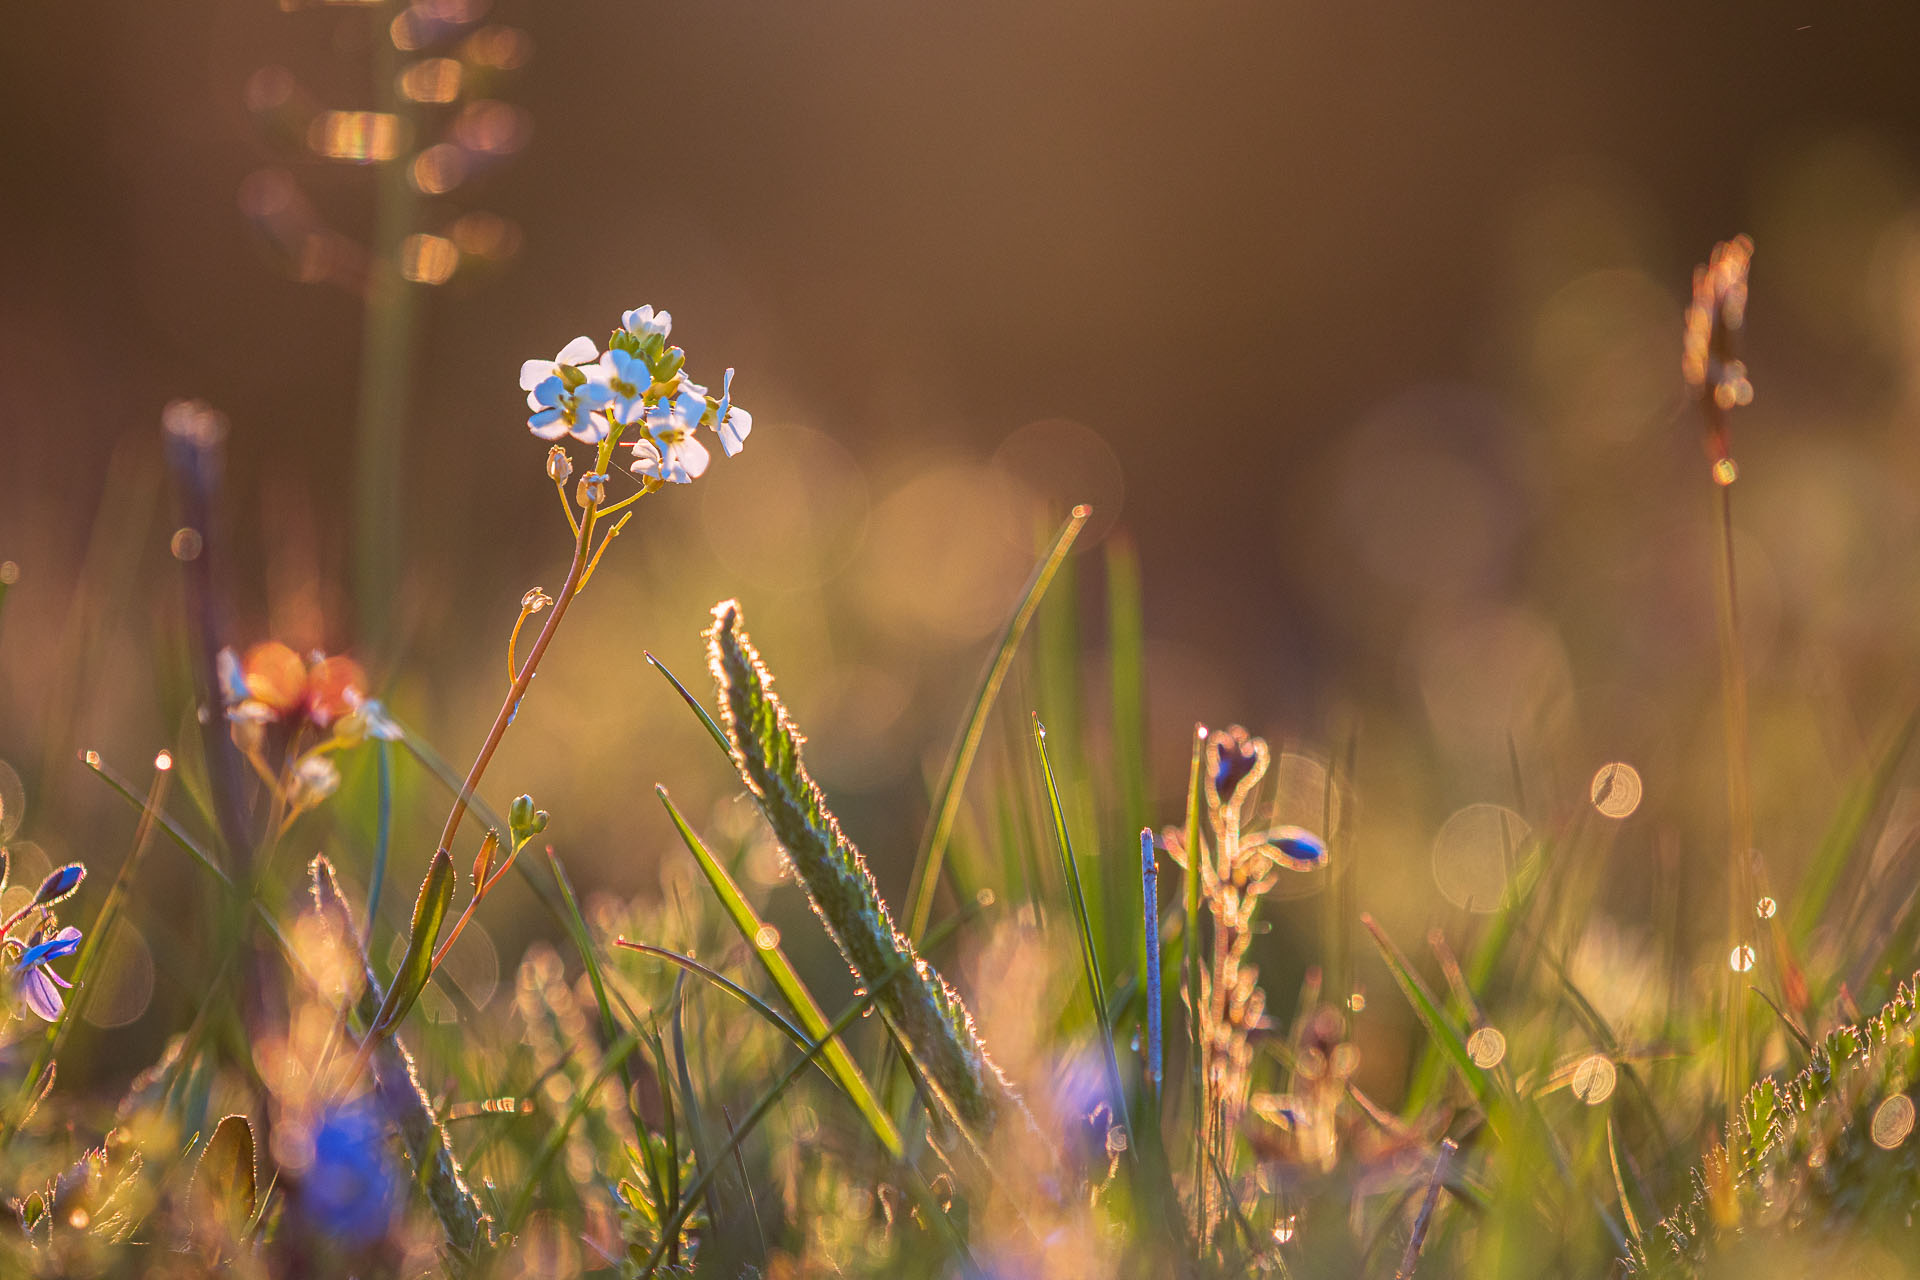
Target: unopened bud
[593,489]
[559,465]
[483,861]
[520,818]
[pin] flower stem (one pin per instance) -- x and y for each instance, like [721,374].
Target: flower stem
[576,572]
[1733,681]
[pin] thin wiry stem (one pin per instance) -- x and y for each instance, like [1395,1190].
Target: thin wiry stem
[1733,683]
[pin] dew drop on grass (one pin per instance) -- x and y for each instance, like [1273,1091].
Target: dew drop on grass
[9,573]
[92,759]
[1765,908]
[1357,1002]
[163,761]
[1725,472]
[1741,958]
[1283,1230]
[186,544]
[766,937]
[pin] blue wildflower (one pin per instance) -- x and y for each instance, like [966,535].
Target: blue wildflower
[1237,761]
[351,1189]
[35,982]
[1295,848]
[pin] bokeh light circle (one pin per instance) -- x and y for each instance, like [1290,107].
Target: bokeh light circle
[1475,852]
[1892,1121]
[1616,789]
[1487,1047]
[1594,1078]
[13,801]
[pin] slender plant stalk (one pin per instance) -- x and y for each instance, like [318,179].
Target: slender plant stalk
[1740,904]
[1150,923]
[568,590]
[1411,1258]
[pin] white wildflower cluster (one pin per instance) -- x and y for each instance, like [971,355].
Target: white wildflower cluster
[636,394]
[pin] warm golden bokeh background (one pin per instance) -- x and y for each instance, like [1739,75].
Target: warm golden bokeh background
[1361,321]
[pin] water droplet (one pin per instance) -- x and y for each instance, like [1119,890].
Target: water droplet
[1616,790]
[1741,958]
[1725,472]
[1892,1121]
[1357,1001]
[1283,1230]
[1487,1047]
[535,600]
[985,897]
[1136,1042]
[163,761]
[1116,1140]
[92,758]
[1593,1079]
[187,544]
[766,937]
[9,573]
[1765,908]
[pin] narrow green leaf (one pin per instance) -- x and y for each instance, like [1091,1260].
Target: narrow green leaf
[946,797]
[746,921]
[1089,954]
[429,912]
[1127,663]
[1444,1033]
[1857,807]
[719,736]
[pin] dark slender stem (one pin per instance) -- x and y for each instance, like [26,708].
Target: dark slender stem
[1411,1257]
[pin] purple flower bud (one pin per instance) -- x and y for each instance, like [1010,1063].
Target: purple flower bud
[60,885]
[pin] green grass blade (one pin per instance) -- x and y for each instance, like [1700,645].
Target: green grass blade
[382,832]
[610,1062]
[760,1109]
[1857,807]
[1427,1009]
[946,798]
[726,984]
[1127,674]
[713,729]
[1089,954]
[747,922]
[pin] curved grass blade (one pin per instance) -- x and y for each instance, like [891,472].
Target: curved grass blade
[609,1063]
[723,982]
[946,798]
[713,729]
[1427,1009]
[839,1063]
[1857,807]
[1089,955]
[751,1121]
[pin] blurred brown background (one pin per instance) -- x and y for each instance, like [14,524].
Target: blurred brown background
[1361,320]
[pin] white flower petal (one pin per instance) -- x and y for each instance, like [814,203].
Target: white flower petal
[533,371]
[690,460]
[548,424]
[734,431]
[580,351]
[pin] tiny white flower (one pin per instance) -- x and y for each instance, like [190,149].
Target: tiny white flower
[732,422]
[669,450]
[560,410]
[314,779]
[628,377]
[534,372]
[644,322]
